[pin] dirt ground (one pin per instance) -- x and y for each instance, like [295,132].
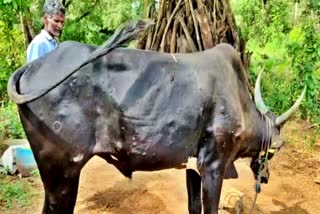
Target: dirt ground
[291,189]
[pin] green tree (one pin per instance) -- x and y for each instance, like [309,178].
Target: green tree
[284,38]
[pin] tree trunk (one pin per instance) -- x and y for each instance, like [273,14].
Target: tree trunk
[192,25]
[27,29]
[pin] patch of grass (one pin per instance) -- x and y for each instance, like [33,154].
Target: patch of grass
[302,135]
[35,173]
[4,171]
[312,139]
[15,192]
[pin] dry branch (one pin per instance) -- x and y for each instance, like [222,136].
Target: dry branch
[149,39]
[196,27]
[168,39]
[200,4]
[173,42]
[168,25]
[159,35]
[205,30]
[158,25]
[186,32]
[183,46]
[188,9]
[231,24]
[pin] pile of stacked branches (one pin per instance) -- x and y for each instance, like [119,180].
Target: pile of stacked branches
[184,26]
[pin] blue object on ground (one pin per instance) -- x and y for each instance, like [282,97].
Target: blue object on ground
[25,161]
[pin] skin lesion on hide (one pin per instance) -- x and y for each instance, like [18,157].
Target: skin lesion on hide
[78,158]
[227,126]
[56,126]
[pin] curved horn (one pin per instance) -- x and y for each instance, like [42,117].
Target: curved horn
[285,116]
[257,95]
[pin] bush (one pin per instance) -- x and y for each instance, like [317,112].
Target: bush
[12,54]
[303,47]
[287,46]
[10,125]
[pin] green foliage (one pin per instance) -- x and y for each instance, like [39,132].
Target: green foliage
[10,54]
[304,48]
[12,43]
[314,5]
[261,22]
[10,126]
[277,68]
[250,17]
[286,44]
[102,19]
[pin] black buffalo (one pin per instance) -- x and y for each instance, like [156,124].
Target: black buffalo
[141,110]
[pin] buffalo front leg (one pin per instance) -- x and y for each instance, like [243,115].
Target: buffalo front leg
[194,191]
[211,167]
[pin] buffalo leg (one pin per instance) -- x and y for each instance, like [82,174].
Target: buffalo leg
[60,173]
[61,190]
[211,167]
[194,191]
[59,161]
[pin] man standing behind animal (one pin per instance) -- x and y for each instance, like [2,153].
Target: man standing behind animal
[45,41]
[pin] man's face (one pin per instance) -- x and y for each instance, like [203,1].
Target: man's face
[54,24]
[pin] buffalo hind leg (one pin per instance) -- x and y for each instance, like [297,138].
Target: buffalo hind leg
[61,188]
[59,161]
[211,167]
[194,191]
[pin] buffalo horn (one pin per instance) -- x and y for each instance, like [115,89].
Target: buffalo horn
[285,116]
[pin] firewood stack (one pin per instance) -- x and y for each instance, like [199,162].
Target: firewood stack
[184,26]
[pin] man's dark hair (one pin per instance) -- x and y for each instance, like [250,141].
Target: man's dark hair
[52,7]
